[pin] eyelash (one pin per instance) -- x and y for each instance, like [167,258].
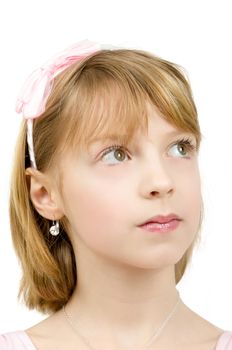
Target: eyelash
[184,141]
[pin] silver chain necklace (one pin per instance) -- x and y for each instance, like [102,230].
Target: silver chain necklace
[147,344]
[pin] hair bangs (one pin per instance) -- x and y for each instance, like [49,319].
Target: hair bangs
[110,98]
[110,108]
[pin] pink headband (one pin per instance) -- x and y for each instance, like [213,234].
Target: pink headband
[33,97]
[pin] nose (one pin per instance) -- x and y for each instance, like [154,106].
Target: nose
[156,179]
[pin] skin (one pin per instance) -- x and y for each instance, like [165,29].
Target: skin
[126,284]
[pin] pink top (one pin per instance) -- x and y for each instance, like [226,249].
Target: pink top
[19,340]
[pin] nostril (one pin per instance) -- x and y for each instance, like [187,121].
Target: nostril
[153,192]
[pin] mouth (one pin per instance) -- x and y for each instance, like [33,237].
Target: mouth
[161,223]
[157,227]
[161,219]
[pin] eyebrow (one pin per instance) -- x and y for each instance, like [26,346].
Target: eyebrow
[123,137]
[179,132]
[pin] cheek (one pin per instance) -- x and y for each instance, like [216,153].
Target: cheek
[190,202]
[195,195]
[93,208]
[190,184]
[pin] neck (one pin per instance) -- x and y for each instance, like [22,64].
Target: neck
[123,300]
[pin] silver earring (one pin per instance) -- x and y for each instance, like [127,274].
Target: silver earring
[55,228]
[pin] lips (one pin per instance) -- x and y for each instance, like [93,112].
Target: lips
[162,219]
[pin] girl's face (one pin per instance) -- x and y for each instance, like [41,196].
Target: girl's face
[108,193]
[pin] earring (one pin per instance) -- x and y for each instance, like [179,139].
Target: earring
[55,228]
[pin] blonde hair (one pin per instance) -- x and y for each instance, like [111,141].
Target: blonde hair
[103,94]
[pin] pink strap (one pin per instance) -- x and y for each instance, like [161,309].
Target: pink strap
[225,341]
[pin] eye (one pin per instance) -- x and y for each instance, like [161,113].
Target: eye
[185,144]
[117,152]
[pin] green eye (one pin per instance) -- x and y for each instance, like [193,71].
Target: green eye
[181,148]
[185,145]
[119,153]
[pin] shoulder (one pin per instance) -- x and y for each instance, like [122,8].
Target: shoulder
[15,340]
[225,341]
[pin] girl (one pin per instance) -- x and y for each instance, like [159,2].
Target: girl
[106,204]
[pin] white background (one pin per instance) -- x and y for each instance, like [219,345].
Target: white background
[195,34]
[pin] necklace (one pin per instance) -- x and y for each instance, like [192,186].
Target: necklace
[147,344]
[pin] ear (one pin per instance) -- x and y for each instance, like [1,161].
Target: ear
[43,195]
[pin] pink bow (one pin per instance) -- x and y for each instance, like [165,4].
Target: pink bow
[32,99]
